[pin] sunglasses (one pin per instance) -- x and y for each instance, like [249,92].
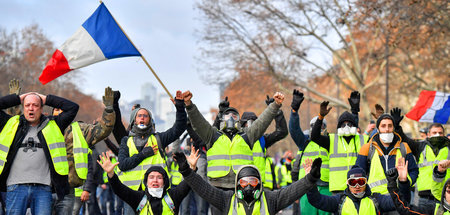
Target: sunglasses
[357,181]
[250,180]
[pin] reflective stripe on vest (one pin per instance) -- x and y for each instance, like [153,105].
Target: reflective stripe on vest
[133,177]
[377,179]
[80,151]
[78,191]
[342,158]
[366,207]
[175,175]
[225,155]
[260,207]
[259,159]
[268,182]
[438,210]
[168,206]
[427,161]
[313,151]
[57,147]
[6,139]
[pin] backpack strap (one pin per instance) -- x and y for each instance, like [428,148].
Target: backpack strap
[341,203]
[376,203]
[142,204]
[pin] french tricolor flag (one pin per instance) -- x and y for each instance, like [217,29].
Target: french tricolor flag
[432,106]
[99,38]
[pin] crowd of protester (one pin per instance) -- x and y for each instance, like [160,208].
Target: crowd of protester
[49,163]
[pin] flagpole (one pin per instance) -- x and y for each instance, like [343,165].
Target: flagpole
[143,58]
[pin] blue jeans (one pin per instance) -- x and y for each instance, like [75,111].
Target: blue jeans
[21,196]
[65,206]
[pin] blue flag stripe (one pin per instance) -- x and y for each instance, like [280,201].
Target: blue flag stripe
[443,114]
[107,34]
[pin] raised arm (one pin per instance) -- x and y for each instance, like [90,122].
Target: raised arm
[199,123]
[321,140]
[172,134]
[260,125]
[70,110]
[216,197]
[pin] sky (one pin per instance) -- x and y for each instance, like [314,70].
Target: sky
[163,31]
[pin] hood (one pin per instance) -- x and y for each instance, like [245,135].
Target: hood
[446,206]
[133,117]
[237,177]
[160,170]
[346,116]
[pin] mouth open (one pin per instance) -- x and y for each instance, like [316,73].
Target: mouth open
[155,186]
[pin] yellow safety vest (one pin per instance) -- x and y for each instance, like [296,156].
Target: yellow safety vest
[259,159]
[377,178]
[133,178]
[80,151]
[427,161]
[175,175]
[167,205]
[52,135]
[268,182]
[237,208]
[440,211]
[285,175]
[366,207]
[225,155]
[313,151]
[342,158]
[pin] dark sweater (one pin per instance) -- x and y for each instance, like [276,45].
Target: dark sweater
[164,139]
[133,198]
[276,200]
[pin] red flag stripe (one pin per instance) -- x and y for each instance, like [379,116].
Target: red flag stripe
[55,67]
[425,101]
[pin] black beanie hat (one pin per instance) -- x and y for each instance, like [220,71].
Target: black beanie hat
[248,171]
[346,116]
[356,172]
[248,116]
[160,170]
[384,116]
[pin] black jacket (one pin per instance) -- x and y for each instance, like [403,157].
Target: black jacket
[60,183]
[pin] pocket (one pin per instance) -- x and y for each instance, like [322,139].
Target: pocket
[11,188]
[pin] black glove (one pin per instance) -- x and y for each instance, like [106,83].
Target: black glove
[269,100]
[179,104]
[323,108]
[391,176]
[314,174]
[297,99]
[396,113]
[224,104]
[354,100]
[183,165]
[116,97]
[147,151]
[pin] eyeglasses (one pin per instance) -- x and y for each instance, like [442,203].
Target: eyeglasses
[250,180]
[357,181]
[231,115]
[143,115]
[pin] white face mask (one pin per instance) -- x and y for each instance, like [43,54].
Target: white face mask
[142,126]
[346,131]
[386,137]
[359,195]
[156,192]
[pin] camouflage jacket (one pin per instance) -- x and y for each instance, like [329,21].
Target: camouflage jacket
[93,133]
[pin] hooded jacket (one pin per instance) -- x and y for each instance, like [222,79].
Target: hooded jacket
[332,203]
[276,200]
[133,198]
[401,199]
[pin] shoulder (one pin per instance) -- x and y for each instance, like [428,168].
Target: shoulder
[365,149]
